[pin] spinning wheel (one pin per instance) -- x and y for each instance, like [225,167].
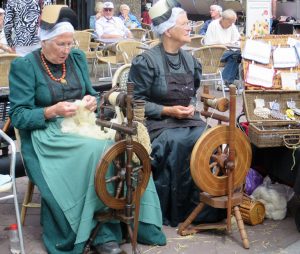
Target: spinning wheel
[119,180]
[219,163]
[109,186]
[209,156]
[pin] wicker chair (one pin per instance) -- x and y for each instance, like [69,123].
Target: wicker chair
[120,77]
[139,33]
[153,43]
[130,49]
[5,61]
[210,58]
[196,41]
[83,42]
[112,61]
[197,26]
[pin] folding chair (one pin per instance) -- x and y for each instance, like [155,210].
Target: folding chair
[8,183]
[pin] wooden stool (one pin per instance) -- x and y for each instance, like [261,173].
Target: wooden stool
[27,202]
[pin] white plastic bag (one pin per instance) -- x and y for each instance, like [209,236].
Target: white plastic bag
[275,197]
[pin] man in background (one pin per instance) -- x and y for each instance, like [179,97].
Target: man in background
[215,13]
[224,31]
[109,26]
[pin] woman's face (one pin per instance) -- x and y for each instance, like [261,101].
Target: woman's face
[57,49]
[124,12]
[181,31]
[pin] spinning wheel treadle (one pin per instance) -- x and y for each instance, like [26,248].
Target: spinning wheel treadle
[140,174]
[209,156]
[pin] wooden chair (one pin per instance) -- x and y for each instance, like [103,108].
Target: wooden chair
[130,49]
[139,33]
[210,58]
[196,41]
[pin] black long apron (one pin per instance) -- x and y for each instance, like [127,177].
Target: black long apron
[172,144]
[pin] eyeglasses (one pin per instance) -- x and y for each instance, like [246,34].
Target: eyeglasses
[62,45]
[105,9]
[185,26]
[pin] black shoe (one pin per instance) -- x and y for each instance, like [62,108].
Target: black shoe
[108,248]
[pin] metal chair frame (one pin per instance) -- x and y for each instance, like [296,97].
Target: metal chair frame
[12,186]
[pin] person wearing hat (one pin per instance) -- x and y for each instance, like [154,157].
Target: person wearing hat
[3,43]
[215,13]
[167,77]
[109,26]
[43,86]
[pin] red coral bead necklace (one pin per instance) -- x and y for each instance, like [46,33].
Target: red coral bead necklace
[62,79]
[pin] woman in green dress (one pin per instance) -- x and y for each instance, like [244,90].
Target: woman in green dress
[43,86]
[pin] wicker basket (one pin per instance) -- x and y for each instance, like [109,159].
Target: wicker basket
[252,212]
[271,132]
[275,40]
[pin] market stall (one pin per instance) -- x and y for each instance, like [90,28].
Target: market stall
[272,105]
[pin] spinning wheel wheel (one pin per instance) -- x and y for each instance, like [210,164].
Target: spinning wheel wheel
[109,184]
[209,156]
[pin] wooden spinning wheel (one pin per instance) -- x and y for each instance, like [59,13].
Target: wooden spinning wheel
[209,156]
[114,196]
[219,163]
[120,180]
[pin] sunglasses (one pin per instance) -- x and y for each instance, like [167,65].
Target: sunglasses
[105,9]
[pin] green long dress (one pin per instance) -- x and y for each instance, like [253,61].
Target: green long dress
[63,165]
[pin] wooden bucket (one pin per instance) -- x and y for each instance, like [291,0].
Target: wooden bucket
[252,212]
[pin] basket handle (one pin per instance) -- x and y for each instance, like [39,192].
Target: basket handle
[291,141]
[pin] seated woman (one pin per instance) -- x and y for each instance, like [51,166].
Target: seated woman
[128,18]
[42,87]
[167,78]
[99,14]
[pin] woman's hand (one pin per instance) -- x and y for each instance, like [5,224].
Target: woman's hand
[90,102]
[179,112]
[64,108]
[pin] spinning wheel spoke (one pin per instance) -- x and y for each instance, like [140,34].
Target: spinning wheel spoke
[209,158]
[226,149]
[110,177]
